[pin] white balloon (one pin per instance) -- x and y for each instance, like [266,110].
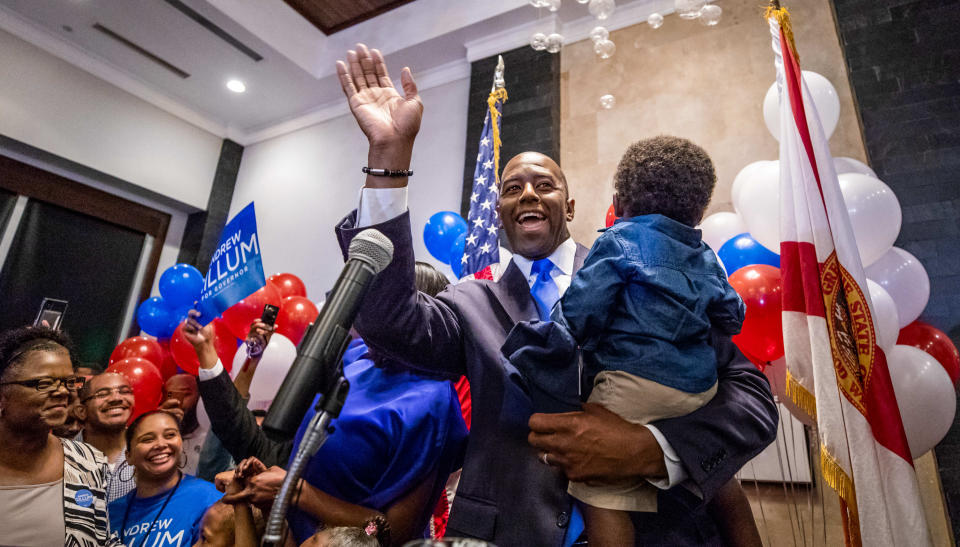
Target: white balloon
[717,228]
[851,165]
[825,100]
[925,396]
[764,169]
[277,358]
[905,279]
[758,202]
[885,315]
[874,214]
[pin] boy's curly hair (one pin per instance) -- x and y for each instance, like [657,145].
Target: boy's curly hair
[665,175]
[15,344]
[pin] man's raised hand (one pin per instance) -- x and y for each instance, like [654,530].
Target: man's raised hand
[201,338]
[388,119]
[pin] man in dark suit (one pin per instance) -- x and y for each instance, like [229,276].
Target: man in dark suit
[507,494]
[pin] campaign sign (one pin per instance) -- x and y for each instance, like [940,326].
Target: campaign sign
[236,268]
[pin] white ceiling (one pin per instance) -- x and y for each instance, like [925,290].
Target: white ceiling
[294,85]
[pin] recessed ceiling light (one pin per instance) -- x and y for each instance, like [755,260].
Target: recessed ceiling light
[236,86]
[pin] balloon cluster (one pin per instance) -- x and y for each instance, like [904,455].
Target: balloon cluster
[445,235]
[924,364]
[180,287]
[148,361]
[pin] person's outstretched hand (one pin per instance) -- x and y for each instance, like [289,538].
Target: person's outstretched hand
[260,334]
[596,446]
[253,483]
[388,119]
[201,338]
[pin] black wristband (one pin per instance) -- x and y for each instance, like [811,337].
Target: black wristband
[388,172]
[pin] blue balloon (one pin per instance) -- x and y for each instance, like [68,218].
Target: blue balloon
[441,232]
[742,250]
[456,255]
[180,285]
[155,318]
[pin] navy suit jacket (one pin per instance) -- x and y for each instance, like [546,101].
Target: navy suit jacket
[505,494]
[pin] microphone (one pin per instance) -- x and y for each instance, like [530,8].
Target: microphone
[317,366]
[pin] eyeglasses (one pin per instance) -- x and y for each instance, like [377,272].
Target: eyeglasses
[46,385]
[105,392]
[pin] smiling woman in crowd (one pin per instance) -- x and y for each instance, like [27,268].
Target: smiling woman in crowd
[167,506]
[51,490]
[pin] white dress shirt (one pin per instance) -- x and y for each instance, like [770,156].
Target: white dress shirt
[379,205]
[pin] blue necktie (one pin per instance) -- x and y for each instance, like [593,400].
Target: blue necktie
[544,289]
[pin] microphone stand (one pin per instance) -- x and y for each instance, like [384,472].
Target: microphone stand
[328,408]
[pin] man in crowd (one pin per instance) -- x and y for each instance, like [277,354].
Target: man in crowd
[74,424]
[106,401]
[462,330]
[183,388]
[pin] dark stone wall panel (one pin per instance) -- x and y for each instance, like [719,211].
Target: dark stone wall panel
[904,61]
[531,115]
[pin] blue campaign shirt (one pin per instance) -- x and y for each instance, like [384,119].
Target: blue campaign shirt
[396,427]
[177,526]
[645,300]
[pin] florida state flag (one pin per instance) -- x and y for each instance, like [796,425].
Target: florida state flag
[836,372]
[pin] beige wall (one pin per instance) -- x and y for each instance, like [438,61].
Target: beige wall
[705,84]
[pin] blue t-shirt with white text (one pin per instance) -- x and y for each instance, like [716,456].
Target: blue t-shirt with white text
[177,526]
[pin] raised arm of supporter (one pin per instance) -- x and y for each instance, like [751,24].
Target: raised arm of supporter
[231,420]
[259,335]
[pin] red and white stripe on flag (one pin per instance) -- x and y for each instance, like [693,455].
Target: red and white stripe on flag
[836,371]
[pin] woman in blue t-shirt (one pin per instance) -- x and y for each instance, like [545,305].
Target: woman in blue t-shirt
[167,506]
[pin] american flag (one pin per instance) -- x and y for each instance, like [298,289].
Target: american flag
[482,248]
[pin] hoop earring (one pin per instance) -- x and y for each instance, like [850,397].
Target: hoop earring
[184,462]
[133,472]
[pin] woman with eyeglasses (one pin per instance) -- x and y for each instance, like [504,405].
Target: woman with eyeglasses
[167,506]
[51,489]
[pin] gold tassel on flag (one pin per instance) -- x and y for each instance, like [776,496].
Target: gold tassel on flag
[804,400]
[496,95]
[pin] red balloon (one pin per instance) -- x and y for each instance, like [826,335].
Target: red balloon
[611,216]
[138,346]
[239,316]
[168,367]
[288,284]
[936,343]
[761,337]
[225,344]
[296,314]
[185,356]
[145,380]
